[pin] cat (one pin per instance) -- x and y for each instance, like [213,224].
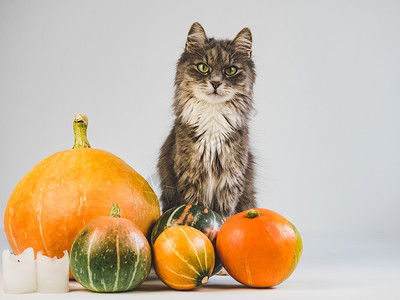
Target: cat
[206,159]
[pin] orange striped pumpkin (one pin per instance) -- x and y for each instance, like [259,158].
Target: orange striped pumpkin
[183,257]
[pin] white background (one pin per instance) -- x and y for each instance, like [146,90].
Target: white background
[326,126]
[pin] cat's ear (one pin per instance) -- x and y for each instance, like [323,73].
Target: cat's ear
[243,41]
[197,37]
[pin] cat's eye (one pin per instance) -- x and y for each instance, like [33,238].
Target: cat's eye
[231,70]
[203,68]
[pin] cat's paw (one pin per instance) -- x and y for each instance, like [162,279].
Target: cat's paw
[222,272]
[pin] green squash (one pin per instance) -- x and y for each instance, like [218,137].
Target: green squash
[199,217]
[110,254]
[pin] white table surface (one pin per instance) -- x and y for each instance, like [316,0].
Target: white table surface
[329,269]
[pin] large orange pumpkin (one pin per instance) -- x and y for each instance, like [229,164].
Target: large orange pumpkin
[68,189]
[183,257]
[259,247]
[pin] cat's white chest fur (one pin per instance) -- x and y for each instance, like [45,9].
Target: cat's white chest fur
[213,122]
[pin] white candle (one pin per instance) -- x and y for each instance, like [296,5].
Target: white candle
[53,273]
[19,272]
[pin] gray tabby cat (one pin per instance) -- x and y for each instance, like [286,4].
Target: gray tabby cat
[206,159]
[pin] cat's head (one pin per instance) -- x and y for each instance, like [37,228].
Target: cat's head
[215,71]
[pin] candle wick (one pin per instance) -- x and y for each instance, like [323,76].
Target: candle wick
[18,260]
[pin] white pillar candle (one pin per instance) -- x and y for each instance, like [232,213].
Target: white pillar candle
[53,274]
[19,272]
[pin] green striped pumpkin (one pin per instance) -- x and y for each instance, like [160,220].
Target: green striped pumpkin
[199,217]
[110,254]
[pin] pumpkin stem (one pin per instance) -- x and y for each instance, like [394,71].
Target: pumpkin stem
[252,213]
[204,280]
[80,130]
[115,211]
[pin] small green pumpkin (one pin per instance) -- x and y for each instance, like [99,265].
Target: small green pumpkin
[199,217]
[110,254]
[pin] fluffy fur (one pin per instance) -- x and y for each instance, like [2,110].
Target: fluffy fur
[206,158]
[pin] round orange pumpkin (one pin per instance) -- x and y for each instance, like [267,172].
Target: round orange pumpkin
[259,247]
[66,190]
[183,257]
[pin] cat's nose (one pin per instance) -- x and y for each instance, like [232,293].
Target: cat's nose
[215,84]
